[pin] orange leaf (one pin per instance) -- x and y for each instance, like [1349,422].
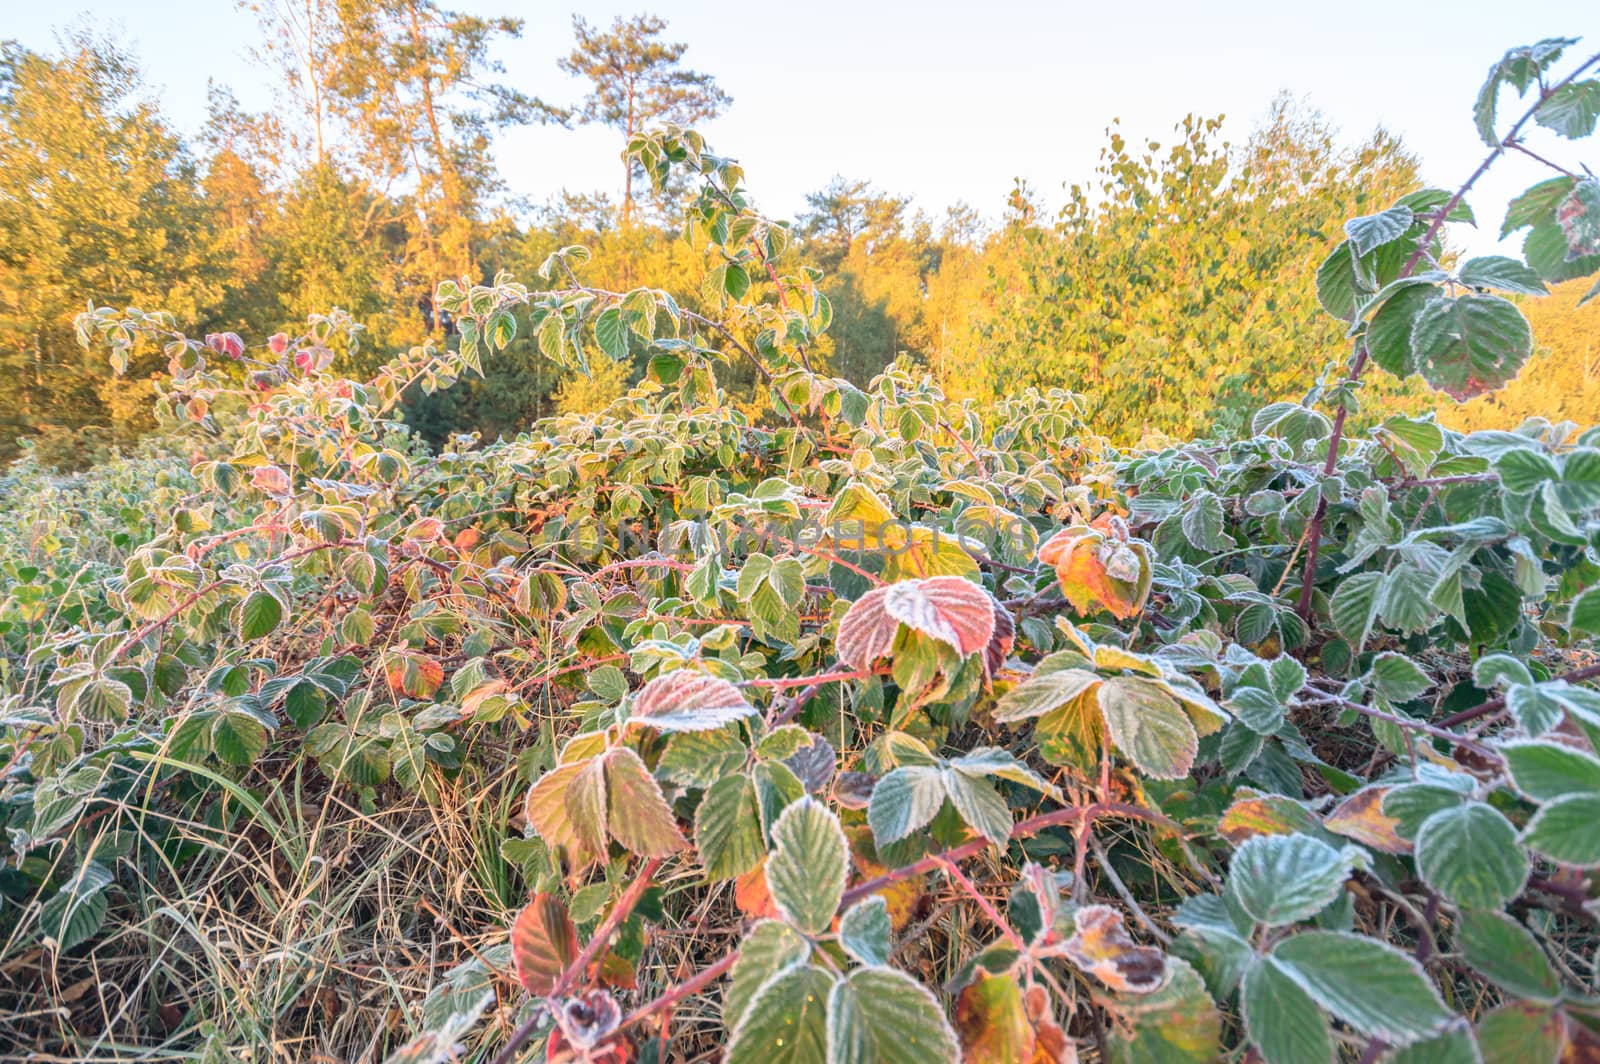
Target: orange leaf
[637,812]
[1264,814]
[1361,817]
[543,943]
[546,810]
[1100,569]
[417,676]
[1000,1023]
[903,895]
[751,895]
[1101,946]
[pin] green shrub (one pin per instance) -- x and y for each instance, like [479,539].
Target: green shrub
[919,730]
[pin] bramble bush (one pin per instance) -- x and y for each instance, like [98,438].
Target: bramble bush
[874,727]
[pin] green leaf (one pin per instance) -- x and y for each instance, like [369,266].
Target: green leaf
[1504,273]
[1354,607]
[785,1022]
[1508,954]
[1411,806]
[1283,879]
[1339,287]
[1453,1047]
[76,911]
[305,704]
[769,948]
[611,333]
[1471,344]
[882,1015]
[1547,771]
[1579,218]
[1403,603]
[238,737]
[1175,1024]
[259,614]
[1470,854]
[1149,727]
[1546,249]
[1572,109]
[806,869]
[979,804]
[904,801]
[727,829]
[1374,230]
[1370,985]
[1389,332]
[1283,1022]
[865,929]
[1001,764]
[102,699]
[1536,205]
[1521,1032]
[1043,692]
[1202,522]
[637,812]
[1566,831]
[1398,678]
[1525,470]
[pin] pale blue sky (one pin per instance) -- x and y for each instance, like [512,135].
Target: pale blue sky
[951,101]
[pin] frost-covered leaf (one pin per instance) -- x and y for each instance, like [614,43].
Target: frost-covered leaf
[1283,879]
[1508,954]
[1368,984]
[1284,1022]
[785,1021]
[883,1015]
[864,930]
[951,609]
[727,828]
[1470,855]
[1567,831]
[638,813]
[686,700]
[543,943]
[1149,727]
[1101,946]
[770,947]
[905,800]
[807,865]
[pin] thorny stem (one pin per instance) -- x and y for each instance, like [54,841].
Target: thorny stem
[953,870]
[580,963]
[1359,363]
[1495,705]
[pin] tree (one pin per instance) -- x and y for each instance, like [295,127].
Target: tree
[1179,293]
[637,82]
[412,83]
[98,199]
[300,38]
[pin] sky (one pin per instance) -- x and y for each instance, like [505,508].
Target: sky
[949,102]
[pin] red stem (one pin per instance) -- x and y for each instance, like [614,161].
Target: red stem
[1360,362]
[1494,705]
[580,963]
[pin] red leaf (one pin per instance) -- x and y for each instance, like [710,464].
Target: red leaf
[543,943]
[951,609]
[689,701]
[1005,636]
